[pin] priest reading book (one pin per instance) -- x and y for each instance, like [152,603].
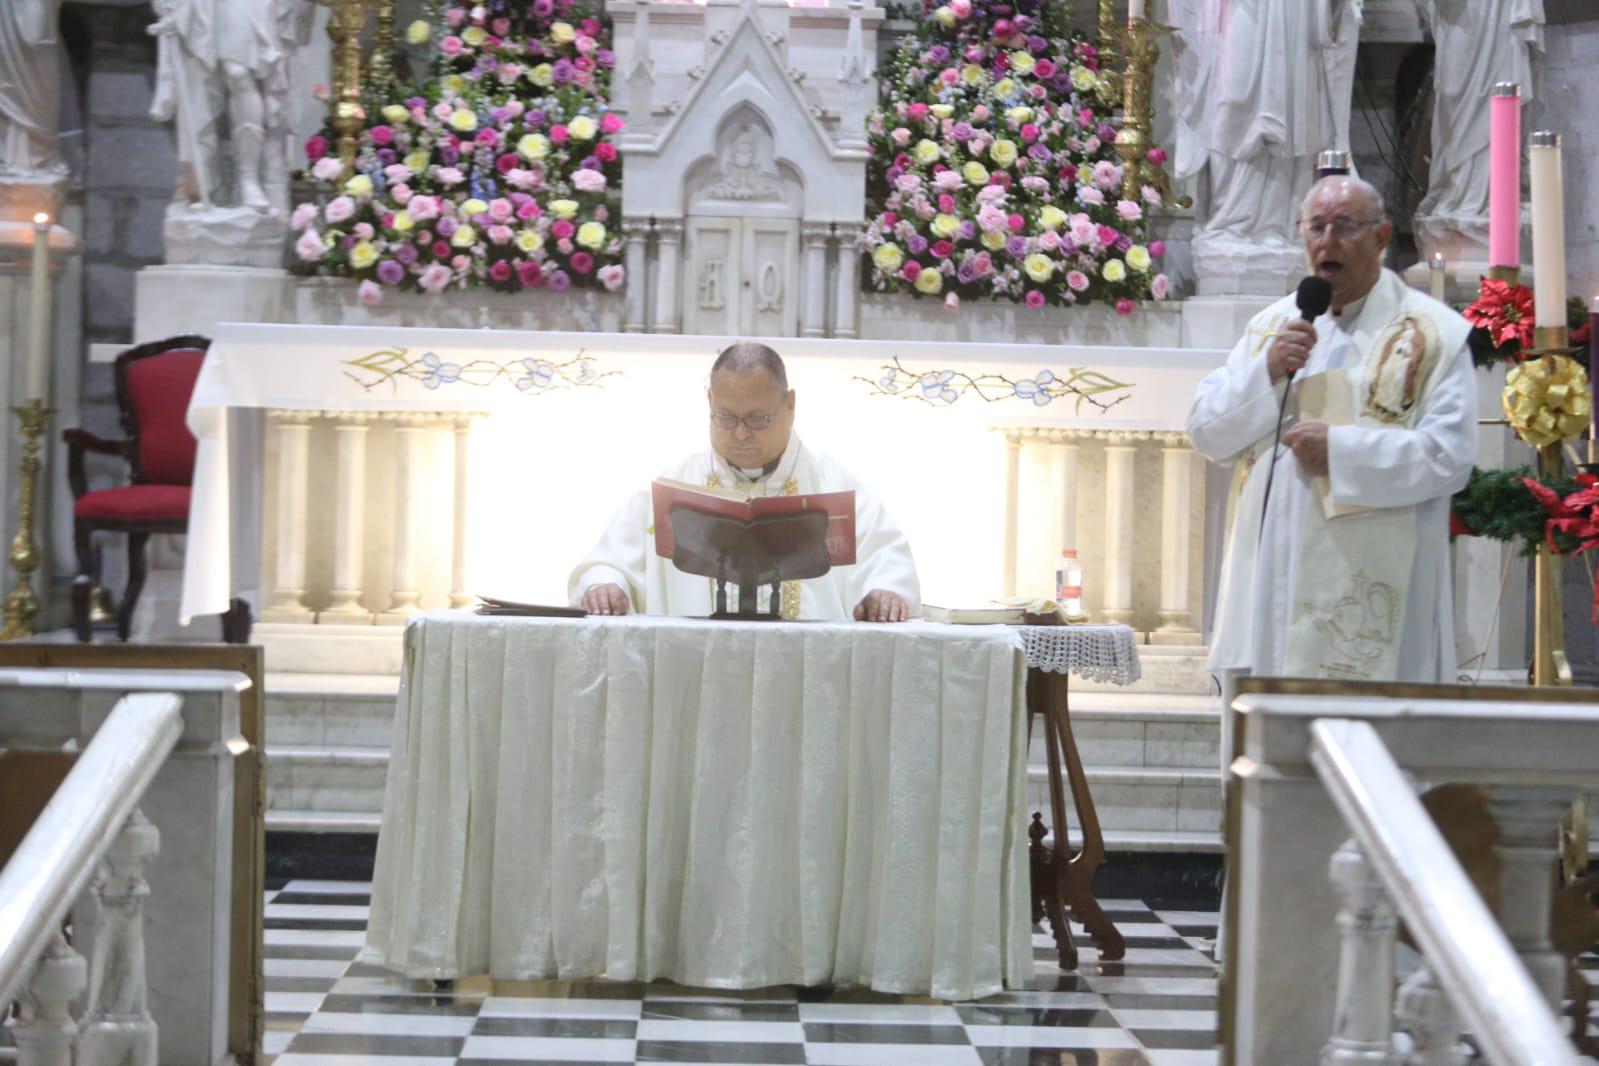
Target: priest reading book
[754,454]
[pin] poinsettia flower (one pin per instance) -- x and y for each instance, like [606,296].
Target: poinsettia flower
[1505,311]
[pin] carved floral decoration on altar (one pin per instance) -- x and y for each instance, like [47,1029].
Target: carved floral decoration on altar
[530,374]
[944,386]
[994,170]
[500,171]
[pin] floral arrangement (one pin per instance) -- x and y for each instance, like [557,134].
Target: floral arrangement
[993,169]
[1502,320]
[500,171]
[1513,506]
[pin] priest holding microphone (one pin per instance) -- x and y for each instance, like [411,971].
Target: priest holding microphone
[1337,565]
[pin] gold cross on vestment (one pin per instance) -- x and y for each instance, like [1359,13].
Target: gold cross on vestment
[1265,333]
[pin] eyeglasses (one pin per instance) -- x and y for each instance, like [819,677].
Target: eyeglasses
[1342,228]
[729,421]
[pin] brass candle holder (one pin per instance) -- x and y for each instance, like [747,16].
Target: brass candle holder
[381,70]
[1134,141]
[22,607]
[346,115]
[1109,45]
[1549,663]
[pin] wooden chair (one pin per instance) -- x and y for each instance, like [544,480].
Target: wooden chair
[153,383]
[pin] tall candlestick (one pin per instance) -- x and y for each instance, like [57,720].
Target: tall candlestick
[1437,276]
[39,323]
[1504,175]
[1548,229]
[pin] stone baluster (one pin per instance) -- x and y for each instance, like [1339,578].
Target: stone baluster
[349,520]
[409,436]
[1176,533]
[635,256]
[1363,1012]
[846,283]
[459,596]
[1120,489]
[293,432]
[1064,451]
[43,1027]
[117,1027]
[1424,1011]
[1013,470]
[668,265]
[1528,849]
[813,310]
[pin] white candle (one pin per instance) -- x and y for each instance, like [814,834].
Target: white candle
[1548,229]
[39,323]
[1437,275]
[1137,9]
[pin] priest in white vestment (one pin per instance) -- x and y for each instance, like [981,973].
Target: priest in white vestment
[753,449]
[1365,595]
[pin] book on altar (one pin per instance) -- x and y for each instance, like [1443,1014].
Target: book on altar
[494,605]
[665,494]
[1014,612]
[1325,398]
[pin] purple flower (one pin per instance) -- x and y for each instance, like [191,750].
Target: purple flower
[1062,82]
[962,131]
[559,282]
[445,226]
[916,243]
[966,273]
[591,162]
[605,57]
[1106,132]
[390,272]
[535,118]
[448,156]
[1067,247]
[543,8]
[968,230]
[938,54]
[1040,152]
[1123,243]
[1016,246]
[562,71]
[405,253]
[386,156]
[1037,45]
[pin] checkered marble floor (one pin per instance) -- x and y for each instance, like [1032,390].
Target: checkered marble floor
[1156,1007]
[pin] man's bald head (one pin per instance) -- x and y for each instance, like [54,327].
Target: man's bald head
[1345,227]
[752,407]
[1347,186]
[748,355]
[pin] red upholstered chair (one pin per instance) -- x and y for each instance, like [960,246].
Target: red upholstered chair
[154,382]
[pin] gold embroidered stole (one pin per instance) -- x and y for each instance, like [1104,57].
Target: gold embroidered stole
[789,601]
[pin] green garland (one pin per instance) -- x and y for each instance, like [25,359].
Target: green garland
[1498,505]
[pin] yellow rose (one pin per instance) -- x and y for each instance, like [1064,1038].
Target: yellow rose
[395,114]
[1002,152]
[591,234]
[454,84]
[945,225]
[474,35]
[945,17]
[542,75]
[926,152]
[942,111]
[1019,115]
[974,173]
[972,74]
[1004,87]
[363,255]
[1082,79]
[1022,62]
[463,121]
[993,239]
[359,186]
[417,161]
[1113,270]
[1138,258]
[1051,217]
[582,128]
[465,236]
[1039,267]
[929,281]
[533,146]
[402,221]
[887,258]
[563,208]
[474,207]
[418,32]
[562,32]
[529,241]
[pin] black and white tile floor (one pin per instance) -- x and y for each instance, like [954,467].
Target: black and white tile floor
[1157,1007]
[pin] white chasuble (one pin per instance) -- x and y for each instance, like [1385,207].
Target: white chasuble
[1365,595]
[625,555]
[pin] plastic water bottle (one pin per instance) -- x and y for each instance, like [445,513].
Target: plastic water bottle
[1069,584]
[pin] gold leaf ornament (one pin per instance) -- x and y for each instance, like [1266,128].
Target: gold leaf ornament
[1548,399]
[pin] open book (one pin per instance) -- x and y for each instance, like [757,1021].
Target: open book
[1013,612]
[838,506]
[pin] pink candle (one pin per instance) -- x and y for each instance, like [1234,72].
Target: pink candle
[1504,175]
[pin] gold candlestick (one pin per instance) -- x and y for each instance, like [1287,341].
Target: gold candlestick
[22,607]
[1549,664]
[382,69]
[1109,45]
[346,116]
[1133,141]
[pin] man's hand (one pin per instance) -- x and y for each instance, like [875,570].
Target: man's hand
[608,598]
[1308,440]
[881,605]
[1291,349]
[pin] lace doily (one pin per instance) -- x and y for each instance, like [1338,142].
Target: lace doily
[1098,653]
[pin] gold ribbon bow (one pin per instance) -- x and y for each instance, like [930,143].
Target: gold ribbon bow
[1548,399]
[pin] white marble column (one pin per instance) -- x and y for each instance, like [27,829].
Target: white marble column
[1176,535]
[349,521]
[1013,469]
[636,236]
[1064,452]
[813,307]
[668,265]
[293,431]
[846,282]
[1424,1011]
[459,595]
[1528,849]
[43,1028]
[1363,1012]
[117,1027]
[409,430]
[1121,446]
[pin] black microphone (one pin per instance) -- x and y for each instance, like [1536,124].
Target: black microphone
[1314,297]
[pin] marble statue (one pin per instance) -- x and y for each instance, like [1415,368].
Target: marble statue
[1265,85]
[743,177]
[30,81]
[1478,43]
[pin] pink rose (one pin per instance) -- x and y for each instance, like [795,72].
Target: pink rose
[1156,156]
[582,262]
[363,231]
[381,136]
[952,301]
[451,45]
[562,229]
[435,276]
[424,208]
[303,216]
[1076,280]
[1016,223]
[529,274]
[396,172]
[1106,235]
[527,210]
[1129,211]
[1157,247]
[500,209]
[901,136]
[500,234]
[327,168]
[339,208]
[1124,306]
[1159,286]
[888,219]
[1035,299]
[315,148]
[369,293]
[309,247]
[611,277]
[1049,240]
[486,138]
[564,246]
[441,249]
[1043,70]
[605,151]
[588,180]
[1089,195]
[501,270]
[916,112]
[610,123]
[910,270]
[946,204]
[558,134]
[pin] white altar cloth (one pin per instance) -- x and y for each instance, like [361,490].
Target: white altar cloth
[947,398]
[722,804]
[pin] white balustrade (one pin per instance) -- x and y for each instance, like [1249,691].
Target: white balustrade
[44,1028]
[1363,1023]
[293,430]
[1013,463]
[1177,478]
[1063,471]
[459,596]
[813,310]
[1121,446]
[846,285]
[1528,849]
[1424,1012]
[349,520]
[405,596]
[668,263]
[117,1027]
[635,257]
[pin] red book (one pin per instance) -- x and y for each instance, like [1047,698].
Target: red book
[839,506]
